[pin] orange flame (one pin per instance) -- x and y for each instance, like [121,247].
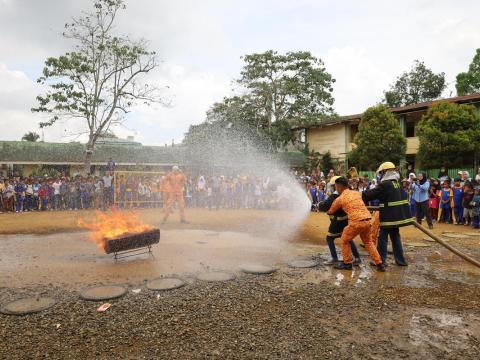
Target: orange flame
[111,226]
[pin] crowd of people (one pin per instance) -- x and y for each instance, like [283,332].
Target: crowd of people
[437,199]
[19,194]
[139,190]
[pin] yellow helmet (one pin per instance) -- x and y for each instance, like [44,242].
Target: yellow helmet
[332,180]
[386,166]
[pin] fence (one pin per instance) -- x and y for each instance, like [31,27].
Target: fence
[137,188]
[431,173]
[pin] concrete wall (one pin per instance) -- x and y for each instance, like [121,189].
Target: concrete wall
[330,138]
[412,145]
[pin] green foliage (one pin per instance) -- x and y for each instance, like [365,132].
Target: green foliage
[99,81]
[469,82]
[448,134]
[280,92]
[293,87]
[30,136]
[379,139]
[313,162]
[327,162]
[417,85]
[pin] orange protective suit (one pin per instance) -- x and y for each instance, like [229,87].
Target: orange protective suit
[358,224]
[173,186]
[375,227]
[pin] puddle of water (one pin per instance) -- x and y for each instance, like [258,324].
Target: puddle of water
[442,329]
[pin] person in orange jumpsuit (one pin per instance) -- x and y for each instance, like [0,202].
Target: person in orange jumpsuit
[174,186]
[163,188]
[375,227]
[358,224]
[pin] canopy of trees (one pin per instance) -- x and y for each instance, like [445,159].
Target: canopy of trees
[469,82]
[31,136]
[417,85]
[379,139]
[449,135]
[279,92]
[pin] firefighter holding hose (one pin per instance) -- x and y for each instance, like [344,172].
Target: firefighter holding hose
[358,224]
[175,186]
[394,211]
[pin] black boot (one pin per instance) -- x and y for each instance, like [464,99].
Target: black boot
[343,266]
[381,267]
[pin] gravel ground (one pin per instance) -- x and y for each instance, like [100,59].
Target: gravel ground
[274,316]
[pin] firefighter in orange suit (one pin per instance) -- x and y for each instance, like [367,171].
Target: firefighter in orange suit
[375,227]
[358,224]
[175,186]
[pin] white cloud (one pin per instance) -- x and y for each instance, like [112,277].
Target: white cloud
[365,45]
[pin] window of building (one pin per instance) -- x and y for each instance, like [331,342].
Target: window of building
[353,132]
[410,128]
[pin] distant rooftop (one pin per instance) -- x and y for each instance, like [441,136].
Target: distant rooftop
[467,99]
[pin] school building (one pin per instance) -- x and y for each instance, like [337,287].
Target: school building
[26,158]
[337,134]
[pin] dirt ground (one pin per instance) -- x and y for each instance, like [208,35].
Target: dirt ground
[428,310]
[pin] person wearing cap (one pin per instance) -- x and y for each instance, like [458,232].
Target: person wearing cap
[175,185]
[358,224]
[338,222]
[394,211]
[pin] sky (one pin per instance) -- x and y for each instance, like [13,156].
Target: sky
[365,45]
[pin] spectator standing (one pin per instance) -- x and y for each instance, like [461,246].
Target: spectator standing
[43,195]
[111,165]
[477,177]
[442,174]
[19,190]
[36,187]
[476,208]
[107,188]
[467,204]
[29,196]
[64,193]
[446,201]
[420,196]
[458,202]
[56,192]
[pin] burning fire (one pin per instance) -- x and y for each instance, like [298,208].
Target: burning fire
[111,226]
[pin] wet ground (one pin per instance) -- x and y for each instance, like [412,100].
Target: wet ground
[428,310]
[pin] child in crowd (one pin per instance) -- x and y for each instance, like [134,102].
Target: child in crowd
[43,196]
[72,196]
[36,187]
[19,190]
[313,195]
[433,202]
[83,194]
[457,202]
[446,202]
[476,208]
[467,204]
[29,196]
[321,192]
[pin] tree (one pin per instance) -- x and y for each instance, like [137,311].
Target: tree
[101,79]
[327,162]
[230,131]
[469,82]
[449,134]
[30,136]
[379,139]
[294,88]
[417,85]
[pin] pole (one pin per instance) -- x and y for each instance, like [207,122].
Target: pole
[440,241]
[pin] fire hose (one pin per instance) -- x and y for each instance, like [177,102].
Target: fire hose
[438,240]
